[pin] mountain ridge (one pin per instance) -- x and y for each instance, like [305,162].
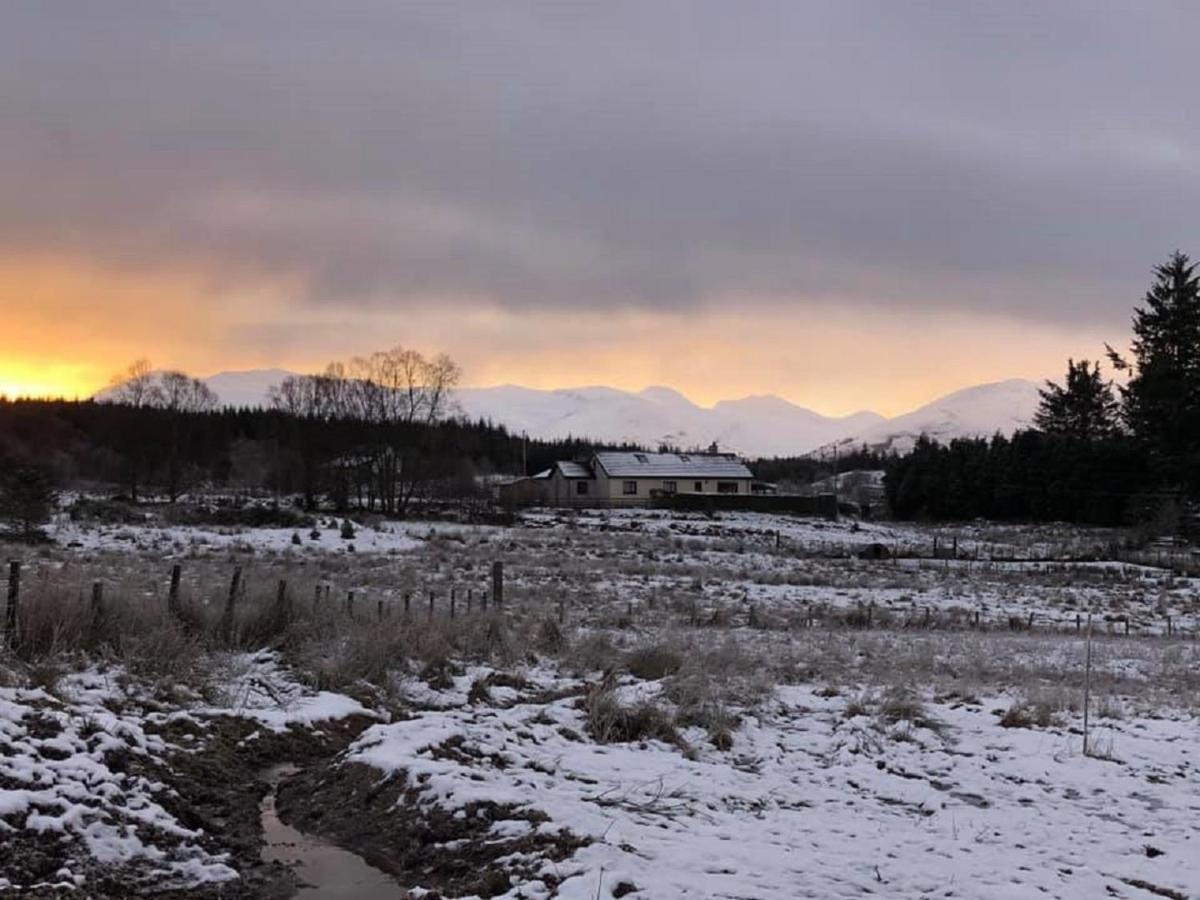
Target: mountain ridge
[758,425]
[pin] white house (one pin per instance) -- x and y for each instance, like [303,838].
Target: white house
[630,479]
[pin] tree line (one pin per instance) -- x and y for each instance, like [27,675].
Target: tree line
[378,433]
[1099,452]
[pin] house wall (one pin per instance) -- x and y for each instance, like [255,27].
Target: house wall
[562,491]
[612,490]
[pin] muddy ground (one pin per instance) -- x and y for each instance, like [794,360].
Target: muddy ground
[220,789]
[217,789]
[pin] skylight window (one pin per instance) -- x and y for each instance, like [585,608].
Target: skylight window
[641,457]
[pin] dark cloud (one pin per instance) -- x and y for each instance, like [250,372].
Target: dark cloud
[1028,158]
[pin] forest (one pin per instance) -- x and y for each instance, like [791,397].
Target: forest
[1100,453]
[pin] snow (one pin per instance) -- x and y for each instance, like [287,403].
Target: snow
[256,686]
[61,771]
[66,784]
[176,539]
[811,803]
[753,426]
[979,411]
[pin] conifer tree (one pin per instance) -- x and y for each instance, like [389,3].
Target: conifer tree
[1084,408]
[27,498]
[1161,402]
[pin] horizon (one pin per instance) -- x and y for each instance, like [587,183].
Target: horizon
[10,395]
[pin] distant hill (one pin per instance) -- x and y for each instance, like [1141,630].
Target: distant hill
[752,426]
[755,426]
[980,411]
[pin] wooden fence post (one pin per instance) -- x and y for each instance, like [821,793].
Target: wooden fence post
[1087,683]
[282,601]
[227,618]
[14,595]
[431,600]
[562,610]
[407,602]
[498,583]
[97,604]
[380,610]
[173,591]
[453,602]
[350,604]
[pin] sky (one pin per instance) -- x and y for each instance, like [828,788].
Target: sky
[852,205]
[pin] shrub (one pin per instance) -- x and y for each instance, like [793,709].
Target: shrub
[653,662]
[609,722]
[27,498]
[902,705]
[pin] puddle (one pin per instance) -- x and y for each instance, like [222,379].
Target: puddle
[325,871]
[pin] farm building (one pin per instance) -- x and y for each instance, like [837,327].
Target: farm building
[631,479]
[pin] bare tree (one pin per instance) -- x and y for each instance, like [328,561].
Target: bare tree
[135,385]
[180,395]
[400,392]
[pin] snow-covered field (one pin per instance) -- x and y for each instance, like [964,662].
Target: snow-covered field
[738,706]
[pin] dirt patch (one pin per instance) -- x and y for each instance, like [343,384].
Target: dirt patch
[217,790]
[378,817]
[220,788]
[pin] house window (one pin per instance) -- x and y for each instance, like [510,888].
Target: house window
[669,487]
[727,487]
[699,488]
[581,487]
[629,487]
[641,457]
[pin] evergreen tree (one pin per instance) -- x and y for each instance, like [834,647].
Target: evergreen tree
[1162,399]
[27,498]
[1084,409]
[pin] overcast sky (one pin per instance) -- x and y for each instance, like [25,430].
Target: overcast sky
[850,204]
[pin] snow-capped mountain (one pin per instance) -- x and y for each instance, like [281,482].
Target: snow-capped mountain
[752,426]
[247,388]
[980,411]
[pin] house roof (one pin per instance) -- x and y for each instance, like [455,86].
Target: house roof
[672,465]
[574,469]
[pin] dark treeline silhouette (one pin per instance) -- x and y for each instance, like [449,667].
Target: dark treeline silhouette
[1032,476]
[788,471]
[1100,454]
[113,446]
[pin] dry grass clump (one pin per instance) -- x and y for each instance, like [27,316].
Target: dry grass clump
[713,687]
[901,705]
[610,722]
[654,661]
[594,652]
[1037,709]
[857,706]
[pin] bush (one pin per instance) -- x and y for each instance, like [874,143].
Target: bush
[611,723]
[27,498]
[654,662]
